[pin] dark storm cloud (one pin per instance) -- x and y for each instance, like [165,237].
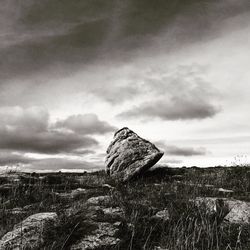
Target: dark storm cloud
[49,142]
[28,130]
[49,33]
[85,124]
[39,35]
[179,95]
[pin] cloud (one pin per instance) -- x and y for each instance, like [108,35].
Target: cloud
[16,118]
[176,109]
[179,95]
[49,142]
[8,158]
[83,152]
[116,93]
[170,161]
[86,124]
[180,151]
[62,34]
[56,164]
[29,130]
[173,161]
[184,151]
[53,33]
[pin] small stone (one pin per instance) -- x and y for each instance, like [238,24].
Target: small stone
[163,215]
[99,200]
[225,190]
[101,238]
[74,194]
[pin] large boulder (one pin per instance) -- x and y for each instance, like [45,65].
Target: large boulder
[129,155]
[28,234]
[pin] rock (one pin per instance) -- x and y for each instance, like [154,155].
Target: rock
[107,186]
[29,233]
[129,155]
[101,238]
[113,213]
[239,212]
[99,200]
[162,215]
[222,190]
[107,221]
[74,194]
[101,214]
[234,211]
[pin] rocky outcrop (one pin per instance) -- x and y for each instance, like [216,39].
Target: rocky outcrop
[129,155]
[234,211]
[108,223]
[28,234]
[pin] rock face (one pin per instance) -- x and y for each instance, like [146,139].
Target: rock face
[129,155]
[29,233]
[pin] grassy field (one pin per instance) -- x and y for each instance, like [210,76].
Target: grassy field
[188,226]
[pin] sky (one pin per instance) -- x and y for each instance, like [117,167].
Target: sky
[73,72]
